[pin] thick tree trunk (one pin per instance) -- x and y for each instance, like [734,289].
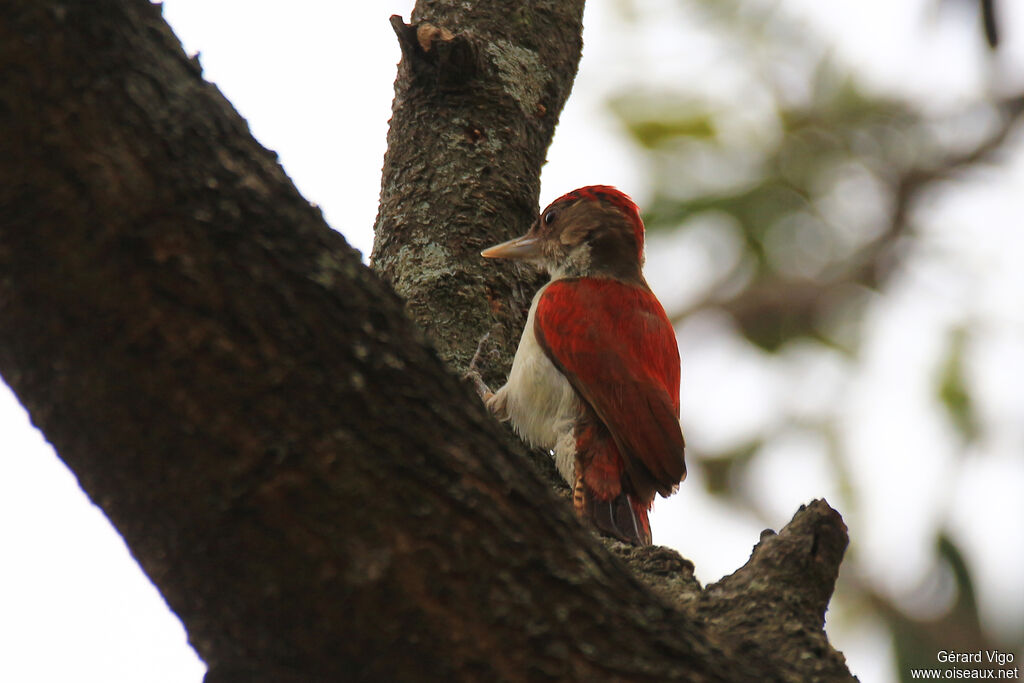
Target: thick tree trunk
[477,97]
[310,488]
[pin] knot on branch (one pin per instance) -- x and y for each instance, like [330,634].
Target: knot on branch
[449,59]
[775,604]
[770,611]
[798,566]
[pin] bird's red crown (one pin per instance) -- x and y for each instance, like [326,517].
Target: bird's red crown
[617,198]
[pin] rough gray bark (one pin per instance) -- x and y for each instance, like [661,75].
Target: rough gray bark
[477,97]
[313,492]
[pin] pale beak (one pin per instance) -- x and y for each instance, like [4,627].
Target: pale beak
[525,247]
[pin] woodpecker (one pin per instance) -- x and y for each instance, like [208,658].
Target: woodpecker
[595,379]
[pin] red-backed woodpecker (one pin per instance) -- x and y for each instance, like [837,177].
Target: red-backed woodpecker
[595,379]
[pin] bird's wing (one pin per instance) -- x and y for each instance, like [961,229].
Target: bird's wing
[616,346]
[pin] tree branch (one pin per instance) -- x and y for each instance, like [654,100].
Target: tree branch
[477,98]
[314,494]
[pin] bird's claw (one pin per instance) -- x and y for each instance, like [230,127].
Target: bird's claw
[473,375]
[482,390]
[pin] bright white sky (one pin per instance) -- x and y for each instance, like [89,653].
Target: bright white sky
[314,80]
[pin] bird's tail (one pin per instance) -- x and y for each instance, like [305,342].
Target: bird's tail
[622,517]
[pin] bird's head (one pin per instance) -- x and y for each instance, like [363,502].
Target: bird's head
[594,231]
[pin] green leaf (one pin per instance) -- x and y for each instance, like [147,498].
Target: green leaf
[653,121]
[953,390]
[651,133]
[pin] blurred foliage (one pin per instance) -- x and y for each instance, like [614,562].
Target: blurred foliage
[818,188]
[917,640]
[814,177]
[719,473]
[953,389]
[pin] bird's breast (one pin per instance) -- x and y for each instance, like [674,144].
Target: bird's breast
[539,401]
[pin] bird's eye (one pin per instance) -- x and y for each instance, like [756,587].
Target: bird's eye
[549,217]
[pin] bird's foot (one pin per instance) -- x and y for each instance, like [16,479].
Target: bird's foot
[473,375]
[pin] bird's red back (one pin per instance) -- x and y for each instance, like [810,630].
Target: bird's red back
[615,344]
